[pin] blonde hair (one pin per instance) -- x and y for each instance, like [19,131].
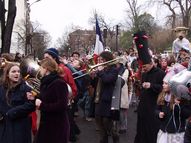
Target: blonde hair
[161,99]
[51,65]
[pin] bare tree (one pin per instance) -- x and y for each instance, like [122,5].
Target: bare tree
[172,8]
[185,8]
[161,40]
[40,40]
[178,8]
[133,13]
[62,43]
[8,27]
[21,32]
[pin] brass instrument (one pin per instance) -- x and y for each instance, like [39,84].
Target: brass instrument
[34,84]
[30,72]
[4,62]
[90,68]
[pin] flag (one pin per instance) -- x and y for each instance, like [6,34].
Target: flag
[99,44]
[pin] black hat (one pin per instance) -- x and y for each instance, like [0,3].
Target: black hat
[141,41]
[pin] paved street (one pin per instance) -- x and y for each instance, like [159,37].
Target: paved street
[90,135]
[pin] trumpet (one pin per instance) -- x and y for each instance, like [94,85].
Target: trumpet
[90,68]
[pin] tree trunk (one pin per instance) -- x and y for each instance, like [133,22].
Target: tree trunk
[186,20]
[9,26]
[2,19]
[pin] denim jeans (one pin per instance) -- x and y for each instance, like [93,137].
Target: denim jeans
[85,103]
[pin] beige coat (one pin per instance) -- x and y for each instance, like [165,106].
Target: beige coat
[125,98]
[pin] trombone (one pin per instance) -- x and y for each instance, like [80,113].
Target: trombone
[92,67]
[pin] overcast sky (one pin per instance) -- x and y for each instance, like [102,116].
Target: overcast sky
[56,16]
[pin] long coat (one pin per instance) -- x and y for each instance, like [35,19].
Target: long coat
[147,123]
[16,124]
[108,78]
[125,96]
[54,123]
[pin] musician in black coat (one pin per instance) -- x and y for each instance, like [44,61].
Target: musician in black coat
[108,76]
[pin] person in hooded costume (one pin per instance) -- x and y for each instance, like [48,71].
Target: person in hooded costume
[152,79]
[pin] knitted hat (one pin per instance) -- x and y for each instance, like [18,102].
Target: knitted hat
[53,52]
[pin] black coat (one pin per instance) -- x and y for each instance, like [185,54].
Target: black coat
[187,135]
[147,125]
[167,123]
[16,125]
[54,123]
[108,78]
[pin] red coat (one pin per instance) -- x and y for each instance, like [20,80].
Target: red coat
[68,78]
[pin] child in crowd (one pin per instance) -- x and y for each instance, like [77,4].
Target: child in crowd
[172,112]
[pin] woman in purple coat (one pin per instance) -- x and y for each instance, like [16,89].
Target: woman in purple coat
[54,124]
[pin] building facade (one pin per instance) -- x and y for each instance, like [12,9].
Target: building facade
[82,41]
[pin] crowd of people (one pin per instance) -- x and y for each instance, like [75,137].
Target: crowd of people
[103,92]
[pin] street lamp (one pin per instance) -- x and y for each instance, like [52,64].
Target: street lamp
[28,28]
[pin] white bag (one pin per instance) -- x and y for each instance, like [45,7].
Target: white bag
[163,137]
